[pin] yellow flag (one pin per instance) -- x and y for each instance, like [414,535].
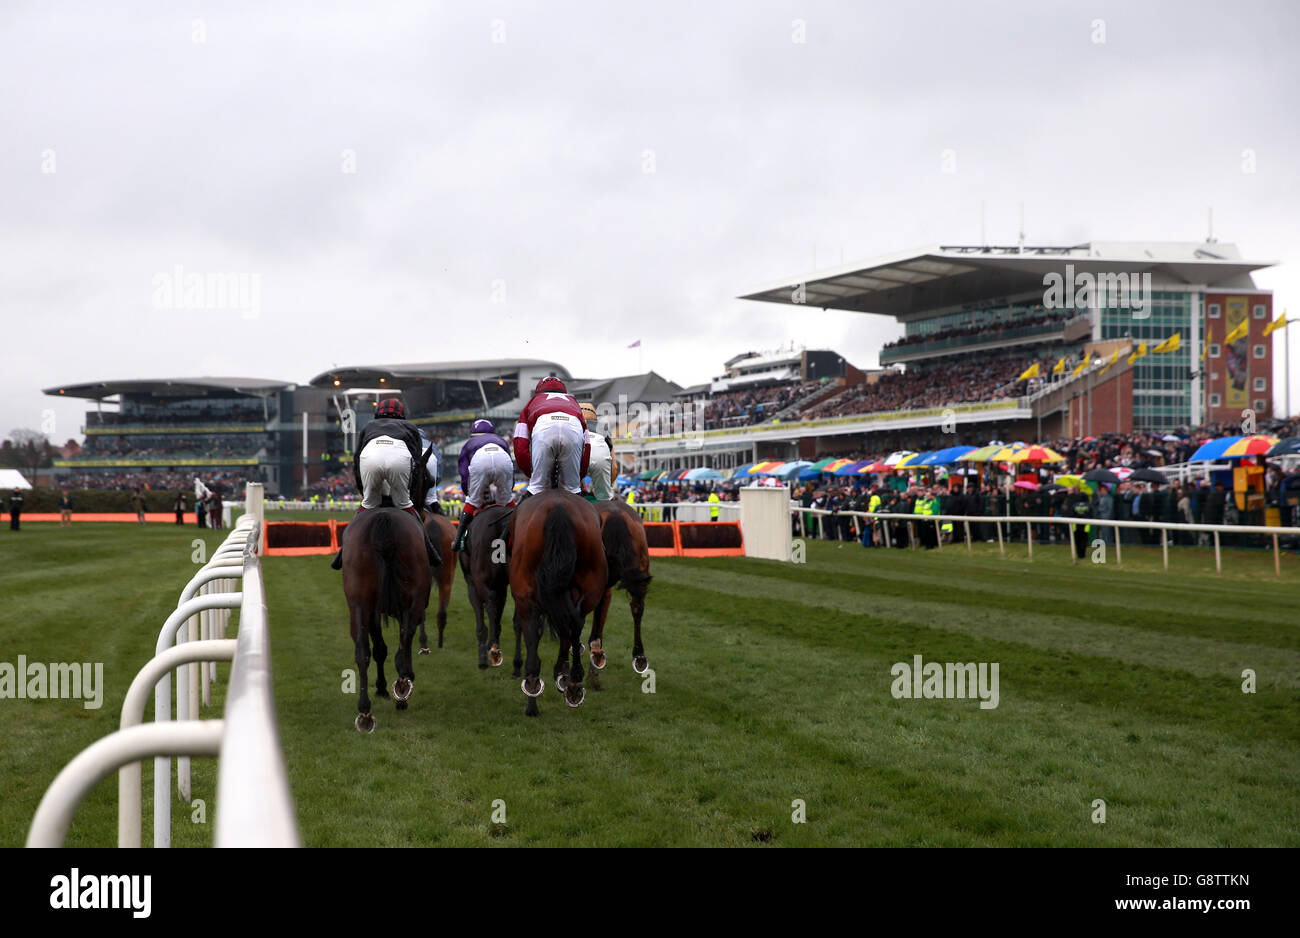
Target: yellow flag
[1079,367]
[1170,344]
[1030,372]
[1279,323]
[1205,350]
[1114,357]
[1059,367]
[1239,333]
[1140,353]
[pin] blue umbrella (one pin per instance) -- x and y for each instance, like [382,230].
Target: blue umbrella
[792,469]
[741,470]
[946,457]
[703,474]
[1213,450]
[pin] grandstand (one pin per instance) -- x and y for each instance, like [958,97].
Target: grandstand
[161,433]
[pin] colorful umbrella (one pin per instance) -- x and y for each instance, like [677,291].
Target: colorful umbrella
[1213,449]
[821,464]
[1031,486]
[946,457]
[1037,454]
[893,459]
[1287,447]
[1257,445]
[760,468]
[852,468]
[983,454]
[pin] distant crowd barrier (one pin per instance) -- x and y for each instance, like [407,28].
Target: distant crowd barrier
[1217,530]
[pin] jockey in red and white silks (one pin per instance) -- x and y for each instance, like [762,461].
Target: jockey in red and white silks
[552,432]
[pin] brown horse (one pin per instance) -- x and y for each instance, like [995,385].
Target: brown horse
[557,573]
[628,559]
[442,532]
[485,562]
[386,573]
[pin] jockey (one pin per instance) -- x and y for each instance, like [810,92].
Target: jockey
[486,474]
[387,451]
[551,433]
[601,465]
[433,471]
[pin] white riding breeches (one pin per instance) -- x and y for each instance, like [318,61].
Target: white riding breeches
[491,477]
[556,438]
[385,470]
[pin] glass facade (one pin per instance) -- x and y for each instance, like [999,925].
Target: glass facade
[1162,384]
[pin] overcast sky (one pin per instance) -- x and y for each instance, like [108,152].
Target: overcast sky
[556,180]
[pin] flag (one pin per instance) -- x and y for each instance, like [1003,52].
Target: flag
[636,344]
[1030,372]
[1170,344]
[1140,353]
[1078,369]
[1279,323]
[1239,333]
[1114,357]
[1205,350]
[1059,367]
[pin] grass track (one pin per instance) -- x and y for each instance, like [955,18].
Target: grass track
[772,683]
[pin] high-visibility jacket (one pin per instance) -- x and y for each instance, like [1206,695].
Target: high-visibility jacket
[714,502]
[631,496]
[874,504]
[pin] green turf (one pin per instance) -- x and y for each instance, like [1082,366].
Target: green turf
[772,684]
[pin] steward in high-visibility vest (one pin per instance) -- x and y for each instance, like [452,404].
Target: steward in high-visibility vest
[714,502]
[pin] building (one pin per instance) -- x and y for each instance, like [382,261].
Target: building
[960,304]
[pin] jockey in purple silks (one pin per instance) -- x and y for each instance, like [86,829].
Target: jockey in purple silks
[486,474]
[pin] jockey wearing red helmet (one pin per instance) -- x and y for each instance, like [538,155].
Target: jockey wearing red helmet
[551,433]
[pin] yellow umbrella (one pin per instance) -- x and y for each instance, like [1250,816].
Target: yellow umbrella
[1037,454]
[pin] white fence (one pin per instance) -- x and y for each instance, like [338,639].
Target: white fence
[1070,523]
[253,805]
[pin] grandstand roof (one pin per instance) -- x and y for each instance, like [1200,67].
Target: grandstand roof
[912,283]
[649,387]
[425,371]
[169,387]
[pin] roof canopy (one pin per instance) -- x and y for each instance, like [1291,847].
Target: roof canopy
[911,283]
[481,370]
[170,387]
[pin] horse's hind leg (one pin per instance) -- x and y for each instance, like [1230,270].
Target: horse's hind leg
[574,693]
[640,663]
[444,597]
[495,610]
[405,683]
[596,639]
[480,627]
[381,655]
[365,723]
[519,631]
[531,622]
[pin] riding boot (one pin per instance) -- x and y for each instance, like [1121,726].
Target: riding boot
[435,559]
[337,562]
[462,532]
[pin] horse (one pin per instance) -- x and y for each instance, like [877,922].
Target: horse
[386,573]
[485,564]
[627,557]
[557,573]
[442,532]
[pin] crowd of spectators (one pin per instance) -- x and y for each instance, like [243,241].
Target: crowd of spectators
[744,407]
[164,447]
[230,482]
[937,386]
[237,411]
[989,331]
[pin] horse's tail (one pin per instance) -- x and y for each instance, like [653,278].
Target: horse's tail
[620,547]
[555,574]
[383,542]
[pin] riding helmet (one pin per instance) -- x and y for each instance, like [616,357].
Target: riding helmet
[391,407]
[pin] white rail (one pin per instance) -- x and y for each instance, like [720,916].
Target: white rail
[254,807]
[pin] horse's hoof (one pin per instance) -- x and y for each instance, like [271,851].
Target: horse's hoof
[424,649]
[561,682]
[402,689]
[598,660]
[640,664]
[574,695]
[582,648]
[365,723]
[495,658]
[541,686]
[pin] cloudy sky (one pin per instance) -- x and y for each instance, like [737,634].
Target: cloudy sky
[419,182]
